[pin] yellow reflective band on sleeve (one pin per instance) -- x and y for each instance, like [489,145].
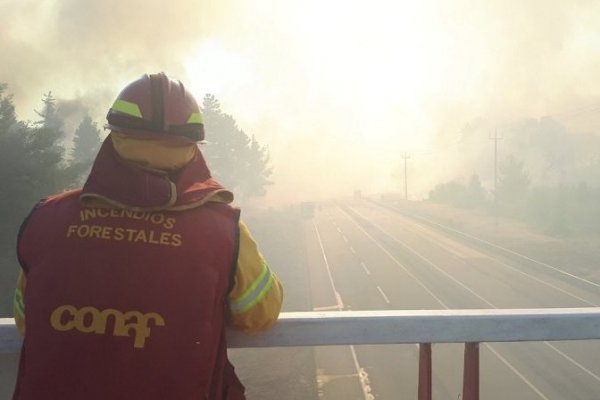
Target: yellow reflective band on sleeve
[19,306]
[255,293]
[195,118]
[127,107]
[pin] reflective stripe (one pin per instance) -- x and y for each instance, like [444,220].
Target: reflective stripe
[255,293]
[195,118]
[19,307]
[127,107]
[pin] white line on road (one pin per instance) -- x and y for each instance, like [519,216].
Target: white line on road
[338,299]
[362,374]
[509,251]
[383,294]
[416,253]
[365,268]
[326,308]
[352,250]
[573,361]
[517,270]
[439,300]
[390,255]
[516,371]
[337,295]
[428,261]
[543,282]
[345,238]
[339,230]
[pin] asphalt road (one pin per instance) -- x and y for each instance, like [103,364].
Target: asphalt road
[362,256]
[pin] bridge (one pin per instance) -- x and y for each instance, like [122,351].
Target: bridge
[422,327]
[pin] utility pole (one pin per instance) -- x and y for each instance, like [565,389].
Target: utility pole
[406,156]
[495,138]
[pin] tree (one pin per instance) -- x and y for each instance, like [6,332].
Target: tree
[513,185]
[49,167]
[32,166]
[452,193]
[236,160]
[475,192]
[256,170]
[459,195]
[86,142]
[7,110]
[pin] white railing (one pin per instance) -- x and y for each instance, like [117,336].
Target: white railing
[400,327]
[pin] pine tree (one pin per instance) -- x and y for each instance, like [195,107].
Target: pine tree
[86,142]
[7,110]
[46,153]
[258,169]
[236,160]
[31,163]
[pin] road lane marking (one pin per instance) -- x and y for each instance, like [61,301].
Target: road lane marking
[345,238]
[440,301]
[514,269]
[390,255]
[362,374]
[516,371]
[383,294]
[338,299]
[339,230]
[352,250]
[337,295]
[365,268]
[428,261]
[508,251]
[573,361]
[459,283]
[326,308]
[545,283]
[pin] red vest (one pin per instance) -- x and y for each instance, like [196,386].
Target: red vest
[127,304]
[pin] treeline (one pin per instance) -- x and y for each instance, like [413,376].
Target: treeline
[39,158]
[562,209]
[34,162]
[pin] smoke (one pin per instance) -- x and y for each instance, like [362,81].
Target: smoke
[90,49]
[337,90]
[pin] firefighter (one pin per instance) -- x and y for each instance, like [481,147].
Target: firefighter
[127,284]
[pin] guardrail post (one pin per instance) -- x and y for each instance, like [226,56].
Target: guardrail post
[425,371]
[471,372]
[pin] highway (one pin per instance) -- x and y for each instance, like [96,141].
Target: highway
[363,256]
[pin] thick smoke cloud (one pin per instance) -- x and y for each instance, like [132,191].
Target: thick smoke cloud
[346,86]
[88,49]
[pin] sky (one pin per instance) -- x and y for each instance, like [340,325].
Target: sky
[339,91]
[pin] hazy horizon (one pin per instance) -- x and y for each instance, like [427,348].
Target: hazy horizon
[338,91]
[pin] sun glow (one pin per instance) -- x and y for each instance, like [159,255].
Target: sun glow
[372,65]
[213,68]
[362,80]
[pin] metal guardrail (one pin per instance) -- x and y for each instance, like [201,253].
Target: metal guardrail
[404,326]
[401,327]
[426,326]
